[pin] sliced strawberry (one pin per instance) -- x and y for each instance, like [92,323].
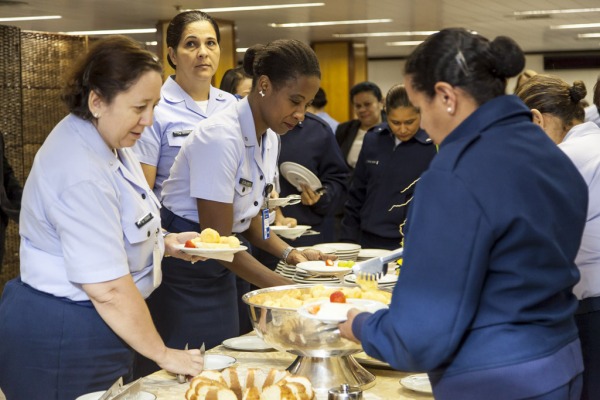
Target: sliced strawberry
[337,297]
[191,244]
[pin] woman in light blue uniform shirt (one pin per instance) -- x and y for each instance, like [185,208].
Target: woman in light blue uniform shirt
[221,179]
[186,98]
[91,240]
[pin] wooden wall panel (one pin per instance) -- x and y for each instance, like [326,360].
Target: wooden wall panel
[343,64]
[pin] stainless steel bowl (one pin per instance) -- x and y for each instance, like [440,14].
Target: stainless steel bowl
[323,355]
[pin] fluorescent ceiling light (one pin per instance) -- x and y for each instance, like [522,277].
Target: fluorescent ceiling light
[406,43]
[254,8]
[112,32]
[30,18]
[549,12]
[241,49]
[575,26]
[326,23]
[153,43]
[385,34]
[588,35]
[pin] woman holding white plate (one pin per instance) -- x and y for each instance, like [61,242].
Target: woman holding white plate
[221,179]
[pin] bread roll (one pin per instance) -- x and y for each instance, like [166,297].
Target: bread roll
[231,378]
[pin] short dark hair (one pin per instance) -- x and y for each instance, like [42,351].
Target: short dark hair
[178,25]
[552,95]
[111,66]
[281,60]
[466,60]
[366,87]
[320,99]
[232,78]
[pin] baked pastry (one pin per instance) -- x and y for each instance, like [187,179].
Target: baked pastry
[256,385]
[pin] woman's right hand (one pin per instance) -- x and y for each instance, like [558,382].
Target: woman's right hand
[174,239]
[186,362]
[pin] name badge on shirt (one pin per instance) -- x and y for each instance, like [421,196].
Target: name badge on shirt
[144,220]
[265,224]
[245,182]
[374,162]
[182,133]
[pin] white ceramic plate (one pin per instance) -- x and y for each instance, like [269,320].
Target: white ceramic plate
[247,343]
[289,233]
[372,253]
[331,313]
[290,200]
[297,175]
[96,396]
[417,382]
[388,278]
[203,252]
[218,362]
[320,268]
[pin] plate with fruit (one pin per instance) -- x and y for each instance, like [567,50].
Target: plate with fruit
[209,243]
[335,309]
[328,267]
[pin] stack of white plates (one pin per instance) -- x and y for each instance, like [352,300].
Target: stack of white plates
[344,251]
[289,271]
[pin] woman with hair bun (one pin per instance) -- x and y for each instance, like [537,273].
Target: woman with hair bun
[484,303]
[221,179]
[556,108]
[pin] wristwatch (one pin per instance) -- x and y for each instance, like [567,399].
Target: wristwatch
[287,252]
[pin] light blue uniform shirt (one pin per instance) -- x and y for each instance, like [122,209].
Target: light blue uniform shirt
[175,117]
[582,144]
[222,161]
[82,215]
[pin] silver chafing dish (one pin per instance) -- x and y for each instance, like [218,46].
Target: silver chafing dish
[323,355]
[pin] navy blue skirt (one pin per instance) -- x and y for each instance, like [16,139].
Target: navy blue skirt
[195,303]
[55,349]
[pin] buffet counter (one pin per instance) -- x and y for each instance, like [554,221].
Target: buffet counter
[387,383]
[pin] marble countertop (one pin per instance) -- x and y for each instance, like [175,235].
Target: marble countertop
[387,383]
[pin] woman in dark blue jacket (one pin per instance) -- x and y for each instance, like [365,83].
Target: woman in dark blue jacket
[484,302]
[393,157]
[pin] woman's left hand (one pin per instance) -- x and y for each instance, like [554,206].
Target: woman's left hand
[174,239]
[309,197]
[346,326]
[297,256]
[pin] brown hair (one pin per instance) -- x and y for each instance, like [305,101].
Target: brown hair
[551,95]
[178,25]
[111,66]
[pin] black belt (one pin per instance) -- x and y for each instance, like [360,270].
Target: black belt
[174,223]
[589,305]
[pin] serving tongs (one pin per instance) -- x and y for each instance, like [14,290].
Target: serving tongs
[112,390]
[181,378]
[377,266]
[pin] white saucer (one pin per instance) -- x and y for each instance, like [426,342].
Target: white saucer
[218,362]
[96,396]
[289,233]
[208,252]
[247,343]
[319,267]
[418,383]
[297,175]
[331,313]
[290,200]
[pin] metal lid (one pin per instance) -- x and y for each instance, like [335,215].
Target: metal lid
[345,392]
